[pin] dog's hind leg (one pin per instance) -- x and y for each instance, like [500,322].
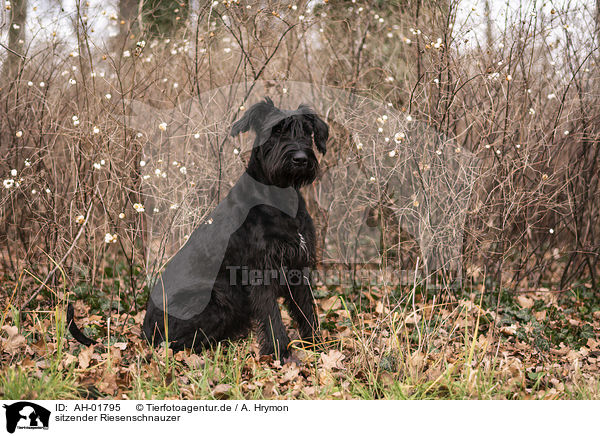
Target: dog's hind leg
[266,313]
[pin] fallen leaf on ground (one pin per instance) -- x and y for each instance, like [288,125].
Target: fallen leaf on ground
[221,391]
[331,303]
[291,374]
[15,341]
[85,356]
[332,359]
[525,302]
[508,330]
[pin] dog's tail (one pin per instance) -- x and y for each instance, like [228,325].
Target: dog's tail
[77,334]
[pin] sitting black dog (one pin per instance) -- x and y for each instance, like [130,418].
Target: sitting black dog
[258,245]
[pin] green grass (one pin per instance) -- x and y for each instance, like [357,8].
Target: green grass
[444,354]
[20,384]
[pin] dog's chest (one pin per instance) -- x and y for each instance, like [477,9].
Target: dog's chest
[277,238]
[288,242]
[292,249]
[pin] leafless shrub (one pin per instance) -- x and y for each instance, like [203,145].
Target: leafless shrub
[524,103]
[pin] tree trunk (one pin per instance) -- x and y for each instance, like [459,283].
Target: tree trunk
[16,38]
[162,18]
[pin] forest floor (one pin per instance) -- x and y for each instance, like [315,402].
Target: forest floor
[379,343]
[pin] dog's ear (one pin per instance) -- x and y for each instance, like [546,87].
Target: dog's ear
[253,117]
[320,132]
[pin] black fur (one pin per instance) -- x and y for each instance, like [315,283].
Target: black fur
[74,330]
[269,239]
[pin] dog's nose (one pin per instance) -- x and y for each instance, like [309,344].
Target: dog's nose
[300,159]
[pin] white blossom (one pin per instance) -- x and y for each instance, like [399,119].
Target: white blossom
[108,238]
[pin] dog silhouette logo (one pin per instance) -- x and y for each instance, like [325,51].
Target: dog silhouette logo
[26,415]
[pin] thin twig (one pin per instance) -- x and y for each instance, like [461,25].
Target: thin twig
[57,266]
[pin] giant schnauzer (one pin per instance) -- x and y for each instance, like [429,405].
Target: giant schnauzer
[258,245]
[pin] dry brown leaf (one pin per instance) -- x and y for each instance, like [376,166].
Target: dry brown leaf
[120,345]
[332,359]
[68,359]
[413,318]
[85,356]
[108,385]
[573,355]
[331,303]
[417,359]
[221,391]
[309,391]
[386,379]
[27,363]
[525,302]
[509,330]
[269,389]
[291,374]
[11,330]
[593,344]
[15,341]
[380,308]
[326,377]
[194,361]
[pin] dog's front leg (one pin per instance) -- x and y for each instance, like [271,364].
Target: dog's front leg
[265,310]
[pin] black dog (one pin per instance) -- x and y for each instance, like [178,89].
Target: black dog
[257,246]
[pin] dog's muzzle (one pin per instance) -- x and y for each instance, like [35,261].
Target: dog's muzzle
[300,159]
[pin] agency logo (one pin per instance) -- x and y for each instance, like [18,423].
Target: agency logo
[26,415]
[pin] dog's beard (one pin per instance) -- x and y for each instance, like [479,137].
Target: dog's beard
[286,174]
[282,172]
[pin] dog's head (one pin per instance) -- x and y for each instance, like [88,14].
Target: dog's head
[283,148]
